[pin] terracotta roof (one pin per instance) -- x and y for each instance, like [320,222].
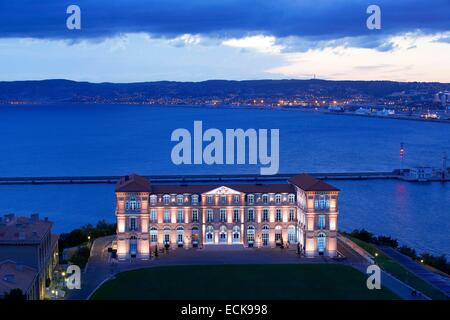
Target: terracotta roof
[23,229]
[309,183]
[201,188]
[13,276]
[133,183]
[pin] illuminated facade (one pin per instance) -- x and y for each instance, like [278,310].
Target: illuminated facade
[302,212]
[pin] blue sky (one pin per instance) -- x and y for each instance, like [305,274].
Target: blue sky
[137,40]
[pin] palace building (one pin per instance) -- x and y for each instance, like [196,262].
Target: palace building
[302,212]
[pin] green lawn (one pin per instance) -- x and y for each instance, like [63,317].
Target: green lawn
[219,282]
[398,271]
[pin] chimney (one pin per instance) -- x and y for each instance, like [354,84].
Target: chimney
[35,217]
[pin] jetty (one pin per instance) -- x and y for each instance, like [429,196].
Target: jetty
[405,174]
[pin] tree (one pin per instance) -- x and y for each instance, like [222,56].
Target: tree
[15,294]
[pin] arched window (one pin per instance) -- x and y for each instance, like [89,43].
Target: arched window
[291,198]
[265,198]
[251,234]
[153,199]
[195,236]
[251,199]
[180,235]
[180,199]
[223,234]
[278,198]
[209,234]
[236,234]
[265,235]
[166,235]
[153,235]
[278,234]
[166,199]
[321,242]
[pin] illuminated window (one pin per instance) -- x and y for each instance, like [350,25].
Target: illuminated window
[291,214]
[153,216]
[321,242]
[180,235]
[223,234]
[292,234]
[251,199]
[236,215]
[223,215]
[322,221]
[180,216]
[166,216]
[236,234]
[291,198]
[278,198]
[209,215]
[133,225]
[210,234]
[278,215]
[180,199]
[194,215]
[265,216]
[194,199]
[278,235]
[153,199]
[153,235]
[166,199]
[251,215]
[265,198]
[321,201]
[265,235]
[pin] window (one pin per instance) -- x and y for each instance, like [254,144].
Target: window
[236,215]
[223,199]
[180,199]
[251,234]
[194,215]
[180,235]
[236,234]
[223,215]
[278,215]
[180,216]
[133,204]
[209,199]
[166,216]
[265,199]
[265,216]
[278,198]
[133,225]
[236,198]
[321,242]
[292,234]
[223,234]
[265,235]
[210,234]
[321,221]
[278,236]
[322,202]
[251,199]
[153,199]
[153,235]
[209,215]
[166,199]
[153,216]
[291,214]
[166,235]
[251,215]
[291,198]
[194,199]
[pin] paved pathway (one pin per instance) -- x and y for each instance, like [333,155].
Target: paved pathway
[441,282]
[101,268]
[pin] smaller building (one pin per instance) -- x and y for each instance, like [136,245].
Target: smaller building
[28,242]
[16,276]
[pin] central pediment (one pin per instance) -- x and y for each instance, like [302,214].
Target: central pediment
[223,190]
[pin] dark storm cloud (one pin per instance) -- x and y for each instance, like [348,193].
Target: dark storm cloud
[314,20]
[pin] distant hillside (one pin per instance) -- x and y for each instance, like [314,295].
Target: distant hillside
[58,91]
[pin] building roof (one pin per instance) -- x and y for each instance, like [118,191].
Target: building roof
[309,183]
[23,229]
[14,276]
[201,188]
[133,183]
